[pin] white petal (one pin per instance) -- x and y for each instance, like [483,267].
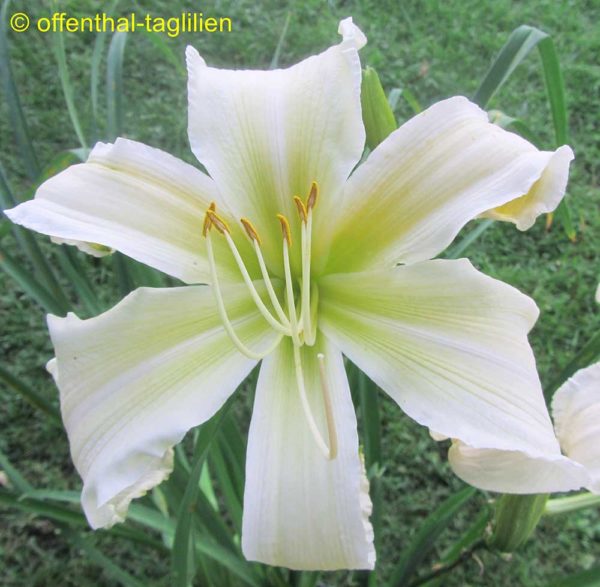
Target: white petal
[301,510]
[449,344]
[576,412]
[516,471]
[447,165]
[264,136]
[543,197]
[133,380]
[133,198]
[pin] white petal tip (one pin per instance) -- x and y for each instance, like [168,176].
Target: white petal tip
[351,34]
[192,57]
[114,510]
[52,368]
[544,195]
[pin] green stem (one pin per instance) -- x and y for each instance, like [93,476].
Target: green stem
[565,505]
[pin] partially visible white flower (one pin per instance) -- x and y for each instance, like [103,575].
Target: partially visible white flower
[576,413]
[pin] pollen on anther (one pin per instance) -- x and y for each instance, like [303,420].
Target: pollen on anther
[207,221]
[217,222]
[313,195]
[285,229]
[302,212]
[250,230]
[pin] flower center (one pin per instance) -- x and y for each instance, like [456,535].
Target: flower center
[301,326]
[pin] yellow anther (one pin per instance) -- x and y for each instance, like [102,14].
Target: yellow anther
[301,209]
[206,226]
[207,221]
[285,229]
[313,195]
[218,222]
[250,230]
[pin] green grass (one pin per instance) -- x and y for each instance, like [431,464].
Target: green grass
[435,49]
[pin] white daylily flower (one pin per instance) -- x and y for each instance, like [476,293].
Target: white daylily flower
[345,271]
[576,413]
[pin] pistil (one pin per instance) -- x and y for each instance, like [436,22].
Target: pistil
[306,214]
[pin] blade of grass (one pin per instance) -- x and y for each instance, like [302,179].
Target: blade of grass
[29,285]
[29,246]
[165,49]
[589,578]
[114,84]
[457,250]
[239,567]
[18,480]
[518,46]
[423,541]
[65,82]
[75,272]
[281,41]
[226,484]
[555,89]
[72,518]
[412,101]
[97,54]
[180,567]
[62,519]
[31,396]
[99,44]
[124,280]
[470,537]
[17,119]
[110,568]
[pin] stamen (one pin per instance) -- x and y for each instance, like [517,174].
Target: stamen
[255,238]
[223,312]
[331,430]
[331,451]
[285,229]
[250,230]
[269,285]
[301,208]
[313,195]
[306,235]
[220,224]
[257,299]
[289,291]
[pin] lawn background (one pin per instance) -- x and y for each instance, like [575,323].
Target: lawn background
[435,49]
